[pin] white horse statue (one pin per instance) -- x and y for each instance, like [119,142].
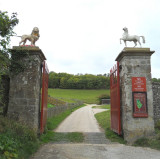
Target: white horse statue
[134,38]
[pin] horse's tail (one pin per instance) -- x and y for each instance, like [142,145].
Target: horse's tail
[143,38]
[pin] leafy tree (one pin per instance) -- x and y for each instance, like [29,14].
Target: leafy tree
[7,25]
[6,31]
[54,81]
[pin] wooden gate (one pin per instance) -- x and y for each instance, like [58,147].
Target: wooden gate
[44,97]
[115,99]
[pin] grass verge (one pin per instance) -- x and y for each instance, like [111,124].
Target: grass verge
[53,122]
[103,119]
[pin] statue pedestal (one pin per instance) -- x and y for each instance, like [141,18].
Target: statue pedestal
[25,86]
[135,62]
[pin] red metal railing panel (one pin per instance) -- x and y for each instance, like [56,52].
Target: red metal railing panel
[115,99]
[44,98]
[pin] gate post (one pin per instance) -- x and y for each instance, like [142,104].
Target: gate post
[136,93]
[25,86]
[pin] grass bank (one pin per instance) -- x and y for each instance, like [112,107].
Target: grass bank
[87,96]
[104,121]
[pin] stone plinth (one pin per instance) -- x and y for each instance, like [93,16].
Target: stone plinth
[135,62]
[25,86]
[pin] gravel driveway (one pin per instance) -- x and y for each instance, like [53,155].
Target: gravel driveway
[82,120]
[95,145]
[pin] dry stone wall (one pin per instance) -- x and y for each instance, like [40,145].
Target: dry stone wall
[61,108]
[156,100]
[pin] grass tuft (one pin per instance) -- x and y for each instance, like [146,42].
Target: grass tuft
[146,142]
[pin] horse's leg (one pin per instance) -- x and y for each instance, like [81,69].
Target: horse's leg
[135,42]
[125,43]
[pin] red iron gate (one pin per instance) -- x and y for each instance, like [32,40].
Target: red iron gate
[44,98]
[115,99]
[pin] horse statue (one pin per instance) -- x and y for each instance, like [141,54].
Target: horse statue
[134,38]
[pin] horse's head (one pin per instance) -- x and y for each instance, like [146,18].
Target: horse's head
[125,29]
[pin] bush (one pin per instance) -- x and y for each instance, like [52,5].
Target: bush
[103,96]
[16,140]
[157,125]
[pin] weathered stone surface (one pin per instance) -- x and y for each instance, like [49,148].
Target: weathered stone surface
[156,100]
[25,88]
[135,62]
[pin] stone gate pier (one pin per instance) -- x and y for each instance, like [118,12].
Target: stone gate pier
[136,93]
[25,86]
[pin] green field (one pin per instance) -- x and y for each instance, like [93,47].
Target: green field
[87,96]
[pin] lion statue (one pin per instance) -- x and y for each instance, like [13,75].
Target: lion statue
[32,38]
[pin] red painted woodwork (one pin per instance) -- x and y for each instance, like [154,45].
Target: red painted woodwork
[115,99]
[44,98]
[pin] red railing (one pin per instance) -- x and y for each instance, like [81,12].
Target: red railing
[44,98]
[115,99]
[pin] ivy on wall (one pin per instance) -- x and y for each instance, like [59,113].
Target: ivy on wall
[17,63]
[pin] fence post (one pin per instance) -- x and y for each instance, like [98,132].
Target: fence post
[25,85]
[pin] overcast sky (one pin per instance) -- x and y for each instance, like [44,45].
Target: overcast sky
[82,36]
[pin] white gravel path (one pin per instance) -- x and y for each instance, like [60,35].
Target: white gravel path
[82,120]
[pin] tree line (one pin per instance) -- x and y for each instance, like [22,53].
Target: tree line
[79,81]
[156,79]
